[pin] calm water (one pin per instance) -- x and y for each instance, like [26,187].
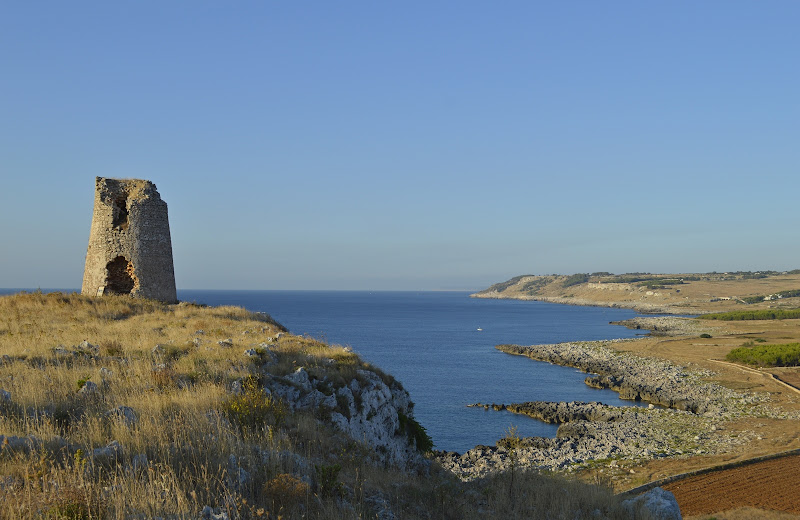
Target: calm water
[431,343]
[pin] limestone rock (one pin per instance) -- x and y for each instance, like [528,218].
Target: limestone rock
[377,421]
[139,463]
[300,378]
[659,504]
[124,414]
[13,442]
[86,347]
[110,452]
[238,477]
[60,350]
[88,388]
[208,513]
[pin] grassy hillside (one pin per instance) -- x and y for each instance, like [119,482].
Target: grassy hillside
[120,408]
[688,293]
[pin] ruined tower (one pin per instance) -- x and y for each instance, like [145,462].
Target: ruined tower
[130,249]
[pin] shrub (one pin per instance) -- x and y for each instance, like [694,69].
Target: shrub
[415,432]
[765,314]
[82,382]
[660,283]
[328,480]
[112,348]
[254,410]
[787,355]
[285,491]
[164,377]
[575,279]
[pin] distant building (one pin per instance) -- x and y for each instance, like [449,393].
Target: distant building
[130,249]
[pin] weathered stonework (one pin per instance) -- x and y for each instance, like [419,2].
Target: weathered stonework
[130,249]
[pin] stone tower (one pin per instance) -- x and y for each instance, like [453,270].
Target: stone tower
[130,249]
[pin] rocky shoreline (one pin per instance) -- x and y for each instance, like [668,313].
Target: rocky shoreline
[593,433]
[639,378]
[688,420]
[669,326]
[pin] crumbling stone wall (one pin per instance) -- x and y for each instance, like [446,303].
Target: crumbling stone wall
[130,248]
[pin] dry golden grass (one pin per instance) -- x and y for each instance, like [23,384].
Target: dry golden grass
[191,437]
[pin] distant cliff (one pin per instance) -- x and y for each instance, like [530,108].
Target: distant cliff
[691,293]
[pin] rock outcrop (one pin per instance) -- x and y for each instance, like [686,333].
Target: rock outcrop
[366,408]
[639,378]
[658,504]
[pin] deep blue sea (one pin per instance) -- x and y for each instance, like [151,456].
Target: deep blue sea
[430,342]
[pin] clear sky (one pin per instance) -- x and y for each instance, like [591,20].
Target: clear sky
[405,145]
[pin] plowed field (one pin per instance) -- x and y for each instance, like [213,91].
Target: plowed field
[772,484]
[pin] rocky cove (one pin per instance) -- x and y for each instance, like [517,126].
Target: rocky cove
[686,417]
[186,411]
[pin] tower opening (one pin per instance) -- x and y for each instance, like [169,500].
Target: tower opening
[120,212]
[120,278]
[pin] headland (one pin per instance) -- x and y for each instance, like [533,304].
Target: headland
[707,410]
[688,293]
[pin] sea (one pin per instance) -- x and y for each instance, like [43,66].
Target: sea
[440,346]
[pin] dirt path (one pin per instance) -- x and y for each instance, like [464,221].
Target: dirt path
[772,484]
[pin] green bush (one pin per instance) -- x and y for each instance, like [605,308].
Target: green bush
[328,480]
[254,410]
[632,278]
[787,355]
[415,432]
[575,279]
[660,283]
[765,314]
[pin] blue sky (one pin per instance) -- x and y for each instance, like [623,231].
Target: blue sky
[420,145]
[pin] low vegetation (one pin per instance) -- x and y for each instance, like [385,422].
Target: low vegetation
[763,314]
[116,408]
[575,279]
[792,293]
[786,355]
[502,286]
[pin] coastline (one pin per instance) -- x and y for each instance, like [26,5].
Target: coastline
[681,293]
[643,308]
[688,417]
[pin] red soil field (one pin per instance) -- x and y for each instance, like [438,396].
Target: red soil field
[772,484]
